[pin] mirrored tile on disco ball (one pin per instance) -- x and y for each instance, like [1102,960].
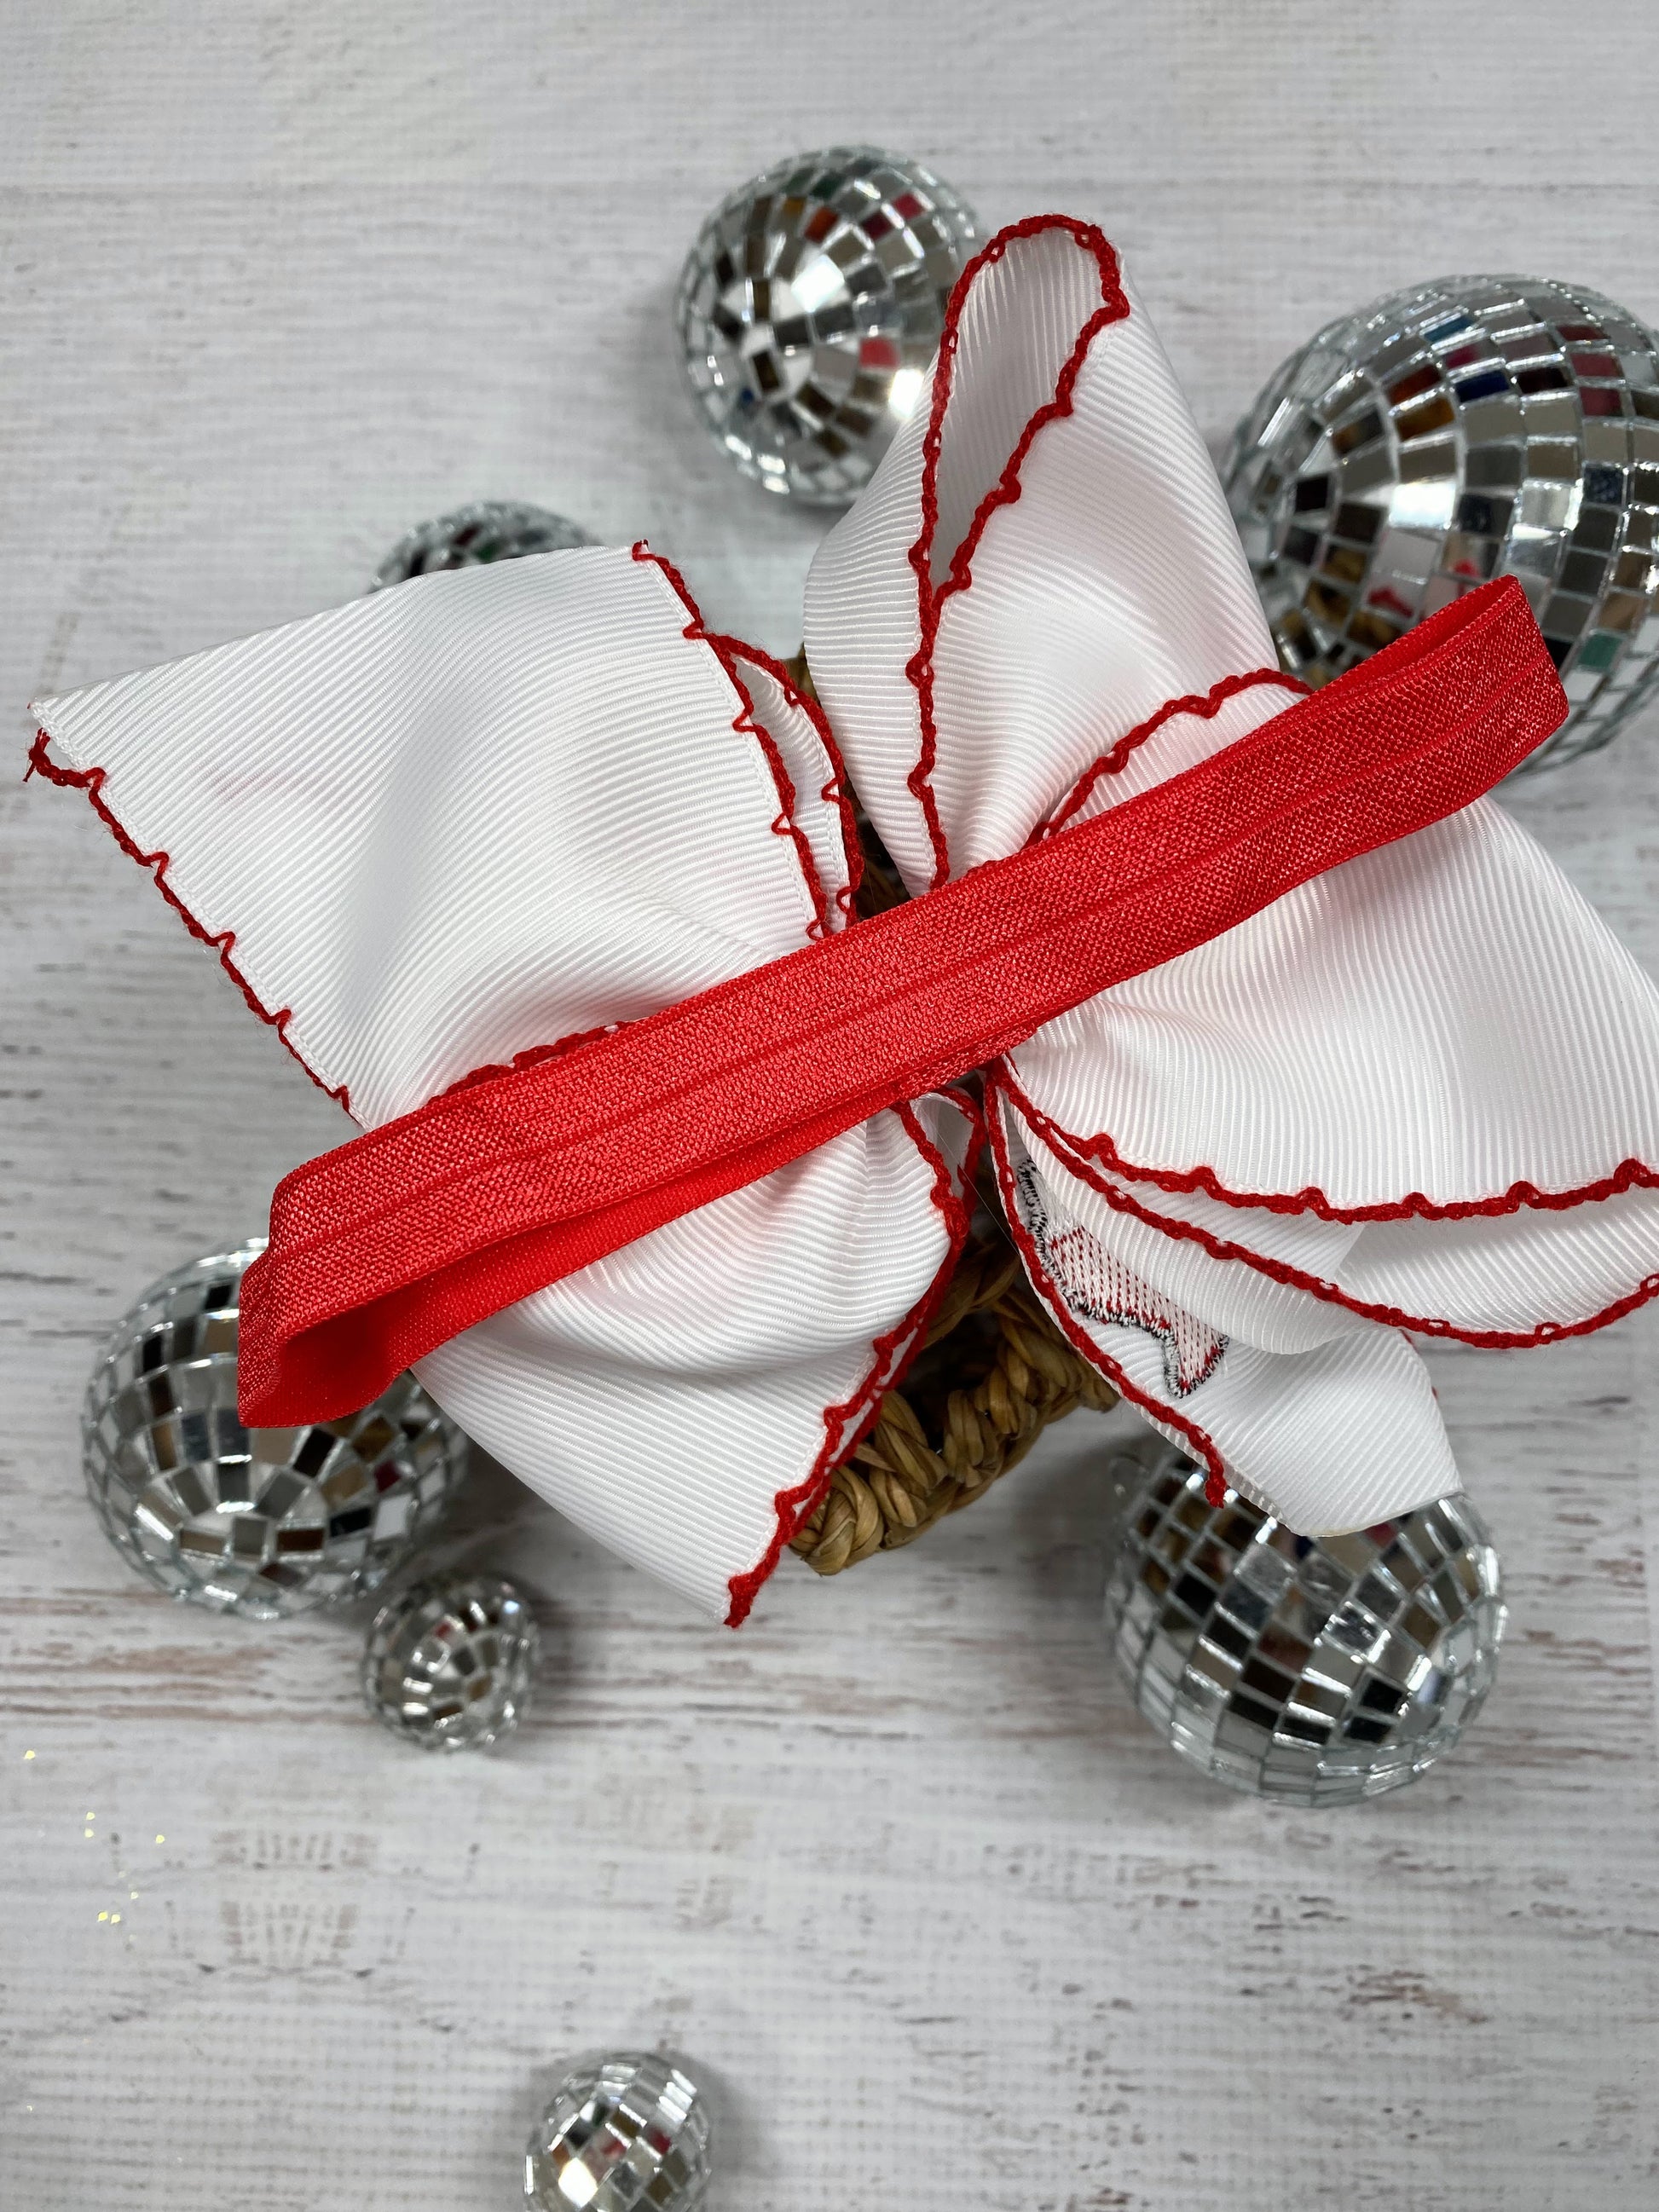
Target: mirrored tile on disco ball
[449,1661]
[488,530]
[1316,1671]
[1472,427]
[263,1522]
[625,2132]
[809,308]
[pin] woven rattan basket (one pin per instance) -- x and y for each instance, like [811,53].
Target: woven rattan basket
[994,1373]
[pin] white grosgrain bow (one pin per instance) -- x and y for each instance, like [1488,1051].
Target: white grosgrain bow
[472,825]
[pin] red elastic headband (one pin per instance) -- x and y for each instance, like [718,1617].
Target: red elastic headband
[387,1247]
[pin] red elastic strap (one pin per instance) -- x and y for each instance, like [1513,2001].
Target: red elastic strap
[385,1248]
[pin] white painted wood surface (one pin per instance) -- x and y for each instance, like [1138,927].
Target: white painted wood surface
[898,1867]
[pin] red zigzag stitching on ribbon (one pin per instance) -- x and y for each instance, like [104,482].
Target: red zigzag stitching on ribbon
[846,1425]
[837,791]
[1280,1271]
[91,781]
[920,669]
[1113,763]
[747,722]
[1629,1175]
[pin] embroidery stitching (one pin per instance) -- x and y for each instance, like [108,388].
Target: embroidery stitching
[1097,1286]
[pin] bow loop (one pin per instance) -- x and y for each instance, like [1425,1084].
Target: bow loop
[1039,607]
[461,820]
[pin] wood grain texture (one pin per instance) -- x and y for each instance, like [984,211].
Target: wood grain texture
[899,1868]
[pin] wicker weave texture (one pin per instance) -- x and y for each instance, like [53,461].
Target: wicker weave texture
[994,1372]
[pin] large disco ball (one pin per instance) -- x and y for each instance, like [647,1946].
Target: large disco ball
[262,1523]
[809,308]
[488,530]
[1475,427]
[1315,1671]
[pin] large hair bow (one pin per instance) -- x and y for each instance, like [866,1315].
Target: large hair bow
[1292,1041]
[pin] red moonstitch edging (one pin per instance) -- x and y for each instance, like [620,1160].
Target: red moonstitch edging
[932,602]
[1112,763]
[531,1056]
[1629,1175]
[845,1426]
[91,781]
[1215,1483]
[837,792]
[1280,1271]
[748,723]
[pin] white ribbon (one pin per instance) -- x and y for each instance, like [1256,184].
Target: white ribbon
[485,811]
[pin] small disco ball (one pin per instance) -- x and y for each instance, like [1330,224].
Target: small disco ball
[1476,427]
[627,2132]
[488,530]
[448,1662]
[809,308]
[262,1523]
[1315,1671]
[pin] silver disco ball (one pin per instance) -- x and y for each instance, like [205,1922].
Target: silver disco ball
[488,530]
[1476,427]
[262,1523]
[1315,1671]
[627,2132]
[449,1661]
[809,308]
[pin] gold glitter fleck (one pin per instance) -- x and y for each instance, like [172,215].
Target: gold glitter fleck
[114,1917]
[29,1754]
[160,1839]
[103,1915]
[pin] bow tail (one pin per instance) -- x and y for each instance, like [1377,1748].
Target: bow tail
[1417,1093]
[1323,1418]
[687,1398]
